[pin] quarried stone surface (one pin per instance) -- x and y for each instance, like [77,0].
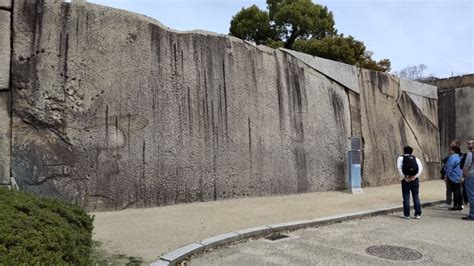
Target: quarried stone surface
[113,110]
[465,114]
[5,49]
[390,121]
[4,138]
[130,114]
[7,4]
[455,108]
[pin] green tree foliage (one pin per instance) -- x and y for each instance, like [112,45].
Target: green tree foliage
[252,24]
[301,19]
[303,26]
[337,48]
[40,231]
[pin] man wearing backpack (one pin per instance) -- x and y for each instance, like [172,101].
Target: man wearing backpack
[468,174]
[410,168]
[453,176]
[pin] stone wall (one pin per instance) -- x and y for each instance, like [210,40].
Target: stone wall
[5,50]
[113,110]
[456,98]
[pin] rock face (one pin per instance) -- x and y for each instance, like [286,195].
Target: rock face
[113,111]
[456,96]
[5,50]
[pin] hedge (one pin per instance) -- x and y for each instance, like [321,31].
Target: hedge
[36,230]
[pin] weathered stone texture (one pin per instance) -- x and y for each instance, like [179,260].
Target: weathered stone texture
[5,49]
[113,110]
[4,138]
[7,4]
[452,83]
[455,110]
[465,114]
[390,121]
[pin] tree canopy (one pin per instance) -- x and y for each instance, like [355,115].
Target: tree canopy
[303,26]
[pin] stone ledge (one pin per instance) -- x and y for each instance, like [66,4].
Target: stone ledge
[179,254]
[6,4]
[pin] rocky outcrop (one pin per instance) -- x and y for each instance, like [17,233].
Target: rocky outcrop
[5,50]
[113,110]
[456,95]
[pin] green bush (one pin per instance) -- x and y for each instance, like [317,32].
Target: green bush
[36,230]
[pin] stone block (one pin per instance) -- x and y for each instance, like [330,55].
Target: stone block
[290,225]
[5,49]
[255,231]
[220,240]
[160,263]
[346,75]
[464,115]
[4,138]
[181,253]
[7,4]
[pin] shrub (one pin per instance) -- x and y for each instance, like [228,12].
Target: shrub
[35,230]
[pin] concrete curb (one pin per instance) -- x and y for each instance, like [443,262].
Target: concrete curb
[175,256]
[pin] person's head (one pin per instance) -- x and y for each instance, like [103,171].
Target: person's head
[407,150]
[470,144]
[456,149]
[454,142]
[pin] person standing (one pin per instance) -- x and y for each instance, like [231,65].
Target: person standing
[449,193]
[453,176]
[410,168]
[468,174]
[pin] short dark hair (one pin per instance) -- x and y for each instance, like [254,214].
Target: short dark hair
[456,149]
[407,150]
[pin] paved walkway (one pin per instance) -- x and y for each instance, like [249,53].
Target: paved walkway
[149,233]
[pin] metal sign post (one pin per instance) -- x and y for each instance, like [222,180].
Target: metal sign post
[354,167]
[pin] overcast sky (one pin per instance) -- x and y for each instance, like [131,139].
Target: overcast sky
[437,33]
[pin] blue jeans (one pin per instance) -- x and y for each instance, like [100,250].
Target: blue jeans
[414,187]
[469,182]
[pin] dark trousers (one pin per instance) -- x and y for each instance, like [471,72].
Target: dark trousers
[464,193]
[449,193]
[457,197]
[413,187]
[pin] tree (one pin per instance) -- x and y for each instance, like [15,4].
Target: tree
[412,72]
[252,24]
[303,26]
[301,19]
[337,48]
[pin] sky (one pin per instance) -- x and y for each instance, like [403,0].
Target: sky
[437,33]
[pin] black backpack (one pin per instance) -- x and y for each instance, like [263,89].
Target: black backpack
[409,166]
[463,160]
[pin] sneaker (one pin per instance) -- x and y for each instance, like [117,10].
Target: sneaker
[445,205]
[418,217]
[404,217]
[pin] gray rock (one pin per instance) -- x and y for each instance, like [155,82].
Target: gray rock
[4,49]
[181,253]
[7,4]
[4,138]
[128,113]
[464,118]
